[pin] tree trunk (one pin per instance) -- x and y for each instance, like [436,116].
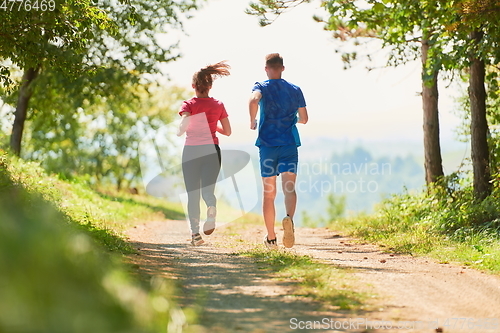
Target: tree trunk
[25,92]
[479,125]
[432,148]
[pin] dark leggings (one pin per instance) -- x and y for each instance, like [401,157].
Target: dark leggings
[200,167]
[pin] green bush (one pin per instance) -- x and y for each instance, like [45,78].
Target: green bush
[456,210]
[447,208]
[443,220]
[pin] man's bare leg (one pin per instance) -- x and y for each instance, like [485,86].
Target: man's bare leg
[288,184]
[269,211]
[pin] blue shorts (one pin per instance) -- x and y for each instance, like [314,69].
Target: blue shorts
[275,160]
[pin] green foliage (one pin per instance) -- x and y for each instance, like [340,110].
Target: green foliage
[104,213]
[308,222]
[336,207]
[92,123]
[73,133]
[76,37]
[264,8]
[399,25]
[477,15]
[461,213]
[403,25]
[73,200]
[444,221]
[104,59]
[52,35]
[56,278]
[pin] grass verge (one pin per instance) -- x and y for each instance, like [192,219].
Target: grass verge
[61,263]
[318,281]
[451,228]
[104,213]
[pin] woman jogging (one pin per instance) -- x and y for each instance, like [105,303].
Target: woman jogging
[201,158]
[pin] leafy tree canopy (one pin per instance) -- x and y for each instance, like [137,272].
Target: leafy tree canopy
[76,36]
[49,36]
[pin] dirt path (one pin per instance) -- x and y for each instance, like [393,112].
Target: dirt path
[238,297]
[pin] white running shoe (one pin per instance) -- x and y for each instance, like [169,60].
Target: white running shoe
[209,225]
[270,244]
[196,240]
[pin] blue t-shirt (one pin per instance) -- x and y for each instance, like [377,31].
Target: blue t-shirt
[278,113]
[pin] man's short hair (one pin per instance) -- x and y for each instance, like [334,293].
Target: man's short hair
[274,60]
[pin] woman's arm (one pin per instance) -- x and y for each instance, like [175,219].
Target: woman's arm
[184,123]
[226,127]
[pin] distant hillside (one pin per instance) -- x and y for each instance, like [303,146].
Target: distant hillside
[359,176]
[363,172]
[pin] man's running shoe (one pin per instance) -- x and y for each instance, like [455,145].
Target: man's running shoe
[270,244]
[289,232]
[196,240]
[209,225]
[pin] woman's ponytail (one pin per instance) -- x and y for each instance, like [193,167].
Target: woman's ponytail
[203,79]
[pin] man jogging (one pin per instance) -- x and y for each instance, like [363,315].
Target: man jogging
[282,106]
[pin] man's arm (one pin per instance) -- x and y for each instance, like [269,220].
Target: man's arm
[253,107]
[303,117]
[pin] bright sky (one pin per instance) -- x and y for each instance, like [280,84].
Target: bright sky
[351,104]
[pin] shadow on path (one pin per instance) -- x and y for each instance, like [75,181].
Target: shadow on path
[230,292]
